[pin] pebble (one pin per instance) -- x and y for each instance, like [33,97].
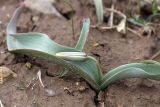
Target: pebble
[50,93]
[35,18]
[28,65]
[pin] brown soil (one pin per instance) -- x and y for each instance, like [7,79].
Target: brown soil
[114,50]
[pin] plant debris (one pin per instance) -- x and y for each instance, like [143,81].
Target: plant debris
[40,79]
[26,83]
[1,105]
[4,73]
[28,65]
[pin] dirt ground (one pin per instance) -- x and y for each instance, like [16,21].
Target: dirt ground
[115,49]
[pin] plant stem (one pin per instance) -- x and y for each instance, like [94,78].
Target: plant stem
[111,15]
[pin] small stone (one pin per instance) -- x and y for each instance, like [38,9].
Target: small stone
[50,93]
[82,88]
[3,51]
[96,44]
[35,18]
[77,83]
[8,16]
[69,91]
[28,65]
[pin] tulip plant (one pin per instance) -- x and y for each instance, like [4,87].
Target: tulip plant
[74,59]
[99,10]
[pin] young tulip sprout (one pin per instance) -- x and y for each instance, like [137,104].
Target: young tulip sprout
[73,59]
[99,10]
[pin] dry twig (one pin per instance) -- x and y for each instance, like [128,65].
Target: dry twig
[1,103]
[40,79]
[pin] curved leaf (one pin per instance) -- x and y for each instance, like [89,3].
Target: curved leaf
[40,45]
[83,36]
[147,69]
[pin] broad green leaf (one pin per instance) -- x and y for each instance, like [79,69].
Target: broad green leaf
[40,45]
[99,10]
[148,69]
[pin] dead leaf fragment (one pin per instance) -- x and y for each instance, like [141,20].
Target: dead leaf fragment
[68,91]
[4,73]
[122,26]
[1,105]
[148,31]
[96,44]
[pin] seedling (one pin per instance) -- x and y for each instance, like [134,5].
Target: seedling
[99,10]
[146,6]
[73,59]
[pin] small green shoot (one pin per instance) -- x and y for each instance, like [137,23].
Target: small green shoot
[138,20]
[99,10]
[155,7]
